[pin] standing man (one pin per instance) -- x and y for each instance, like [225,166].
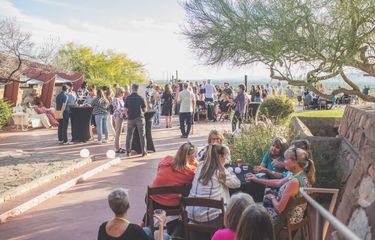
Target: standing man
[240,107]
[72,101]
[187,104]
[210,90]
[290,93]
[61,105]
[135,106]
[227,89]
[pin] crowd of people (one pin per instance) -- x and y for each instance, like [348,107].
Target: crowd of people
[284,170]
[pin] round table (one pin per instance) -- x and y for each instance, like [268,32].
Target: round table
[256,190]
[80,123]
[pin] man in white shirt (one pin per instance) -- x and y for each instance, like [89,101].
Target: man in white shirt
[187,105]
[210,90]
[269,90]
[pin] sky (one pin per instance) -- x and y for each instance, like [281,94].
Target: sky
[148,31]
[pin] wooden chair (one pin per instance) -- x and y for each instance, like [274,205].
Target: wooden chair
[201,202]
[304,225]
[225,115]
[202,111]
[182,190]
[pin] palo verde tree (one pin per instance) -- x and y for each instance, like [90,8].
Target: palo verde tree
[300,41]
[102,68]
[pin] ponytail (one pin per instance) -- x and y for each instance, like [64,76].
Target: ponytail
[310,171]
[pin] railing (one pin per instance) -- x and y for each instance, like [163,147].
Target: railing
[327,214]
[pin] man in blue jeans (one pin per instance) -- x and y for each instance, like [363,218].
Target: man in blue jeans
[61,104]
[135,106]
[187,103]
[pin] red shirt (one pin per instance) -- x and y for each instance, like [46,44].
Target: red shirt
[166,176]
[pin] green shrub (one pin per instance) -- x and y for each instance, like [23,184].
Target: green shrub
[253,142]
[276,108]
[5,112]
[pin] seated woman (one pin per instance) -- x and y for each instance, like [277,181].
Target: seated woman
[237,204]
[255,224]
[214,137]
[119,227]
[302,175]
[175,171]
[40,109]
[211,181]
[273,160]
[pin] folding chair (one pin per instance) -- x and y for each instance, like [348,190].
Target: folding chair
[181,190]
[201,202]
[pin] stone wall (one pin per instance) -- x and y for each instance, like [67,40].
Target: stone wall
[324,152]
[356,163]
[325,127]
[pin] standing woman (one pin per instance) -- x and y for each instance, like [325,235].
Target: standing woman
[109,95]
[118,116]
[157,106]
[167,101]
[126,91]
[101,105]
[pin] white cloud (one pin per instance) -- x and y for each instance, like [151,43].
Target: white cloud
[58,4]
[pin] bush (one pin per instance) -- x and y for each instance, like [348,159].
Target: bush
[276,108]
[253,142]
[5,112]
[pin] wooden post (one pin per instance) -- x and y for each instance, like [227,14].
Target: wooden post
[245,83]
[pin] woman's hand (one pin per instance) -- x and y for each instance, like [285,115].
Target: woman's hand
[162,218]
[250,177]
[279,165]
[261,169]
[269,196]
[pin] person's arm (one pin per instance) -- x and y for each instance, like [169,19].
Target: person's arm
[143,106]
[231,180]
[290,191]
[274,183]
[64,104]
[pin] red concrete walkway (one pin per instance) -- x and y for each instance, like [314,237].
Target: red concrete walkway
[78,212]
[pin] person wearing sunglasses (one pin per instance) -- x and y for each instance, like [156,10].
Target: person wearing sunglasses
[302,175]
[273,160]
[214,137]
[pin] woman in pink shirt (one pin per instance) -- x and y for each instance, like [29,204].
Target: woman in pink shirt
[236,205]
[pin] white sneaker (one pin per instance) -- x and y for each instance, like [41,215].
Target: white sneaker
[98,142]
[104,140]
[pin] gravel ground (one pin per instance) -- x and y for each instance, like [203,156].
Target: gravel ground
[18,167]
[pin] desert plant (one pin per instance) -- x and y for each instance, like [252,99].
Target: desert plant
[5,112]
[251,144]
[276,108]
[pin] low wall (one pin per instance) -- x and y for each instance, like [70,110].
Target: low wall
[325,127]
[356,162]
[324,153]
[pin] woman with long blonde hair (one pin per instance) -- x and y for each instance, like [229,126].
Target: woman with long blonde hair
[211,181]
[302,170]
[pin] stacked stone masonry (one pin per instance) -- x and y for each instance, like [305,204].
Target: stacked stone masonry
[356,161]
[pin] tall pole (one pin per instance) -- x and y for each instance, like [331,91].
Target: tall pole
[176,76]
[245,83]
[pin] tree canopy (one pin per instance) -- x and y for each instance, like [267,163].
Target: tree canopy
[102,68]
[18,52]
[300,41]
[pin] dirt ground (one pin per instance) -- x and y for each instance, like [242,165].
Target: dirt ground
[18,167]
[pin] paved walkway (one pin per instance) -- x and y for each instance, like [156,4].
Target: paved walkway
[78,212]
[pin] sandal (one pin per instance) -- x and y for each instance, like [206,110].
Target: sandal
[121,150]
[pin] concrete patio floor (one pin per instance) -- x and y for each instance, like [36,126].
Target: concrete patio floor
[78,212]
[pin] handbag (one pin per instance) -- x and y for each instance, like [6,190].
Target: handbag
[59,114]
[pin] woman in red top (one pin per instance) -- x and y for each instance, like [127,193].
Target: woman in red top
[175,171]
